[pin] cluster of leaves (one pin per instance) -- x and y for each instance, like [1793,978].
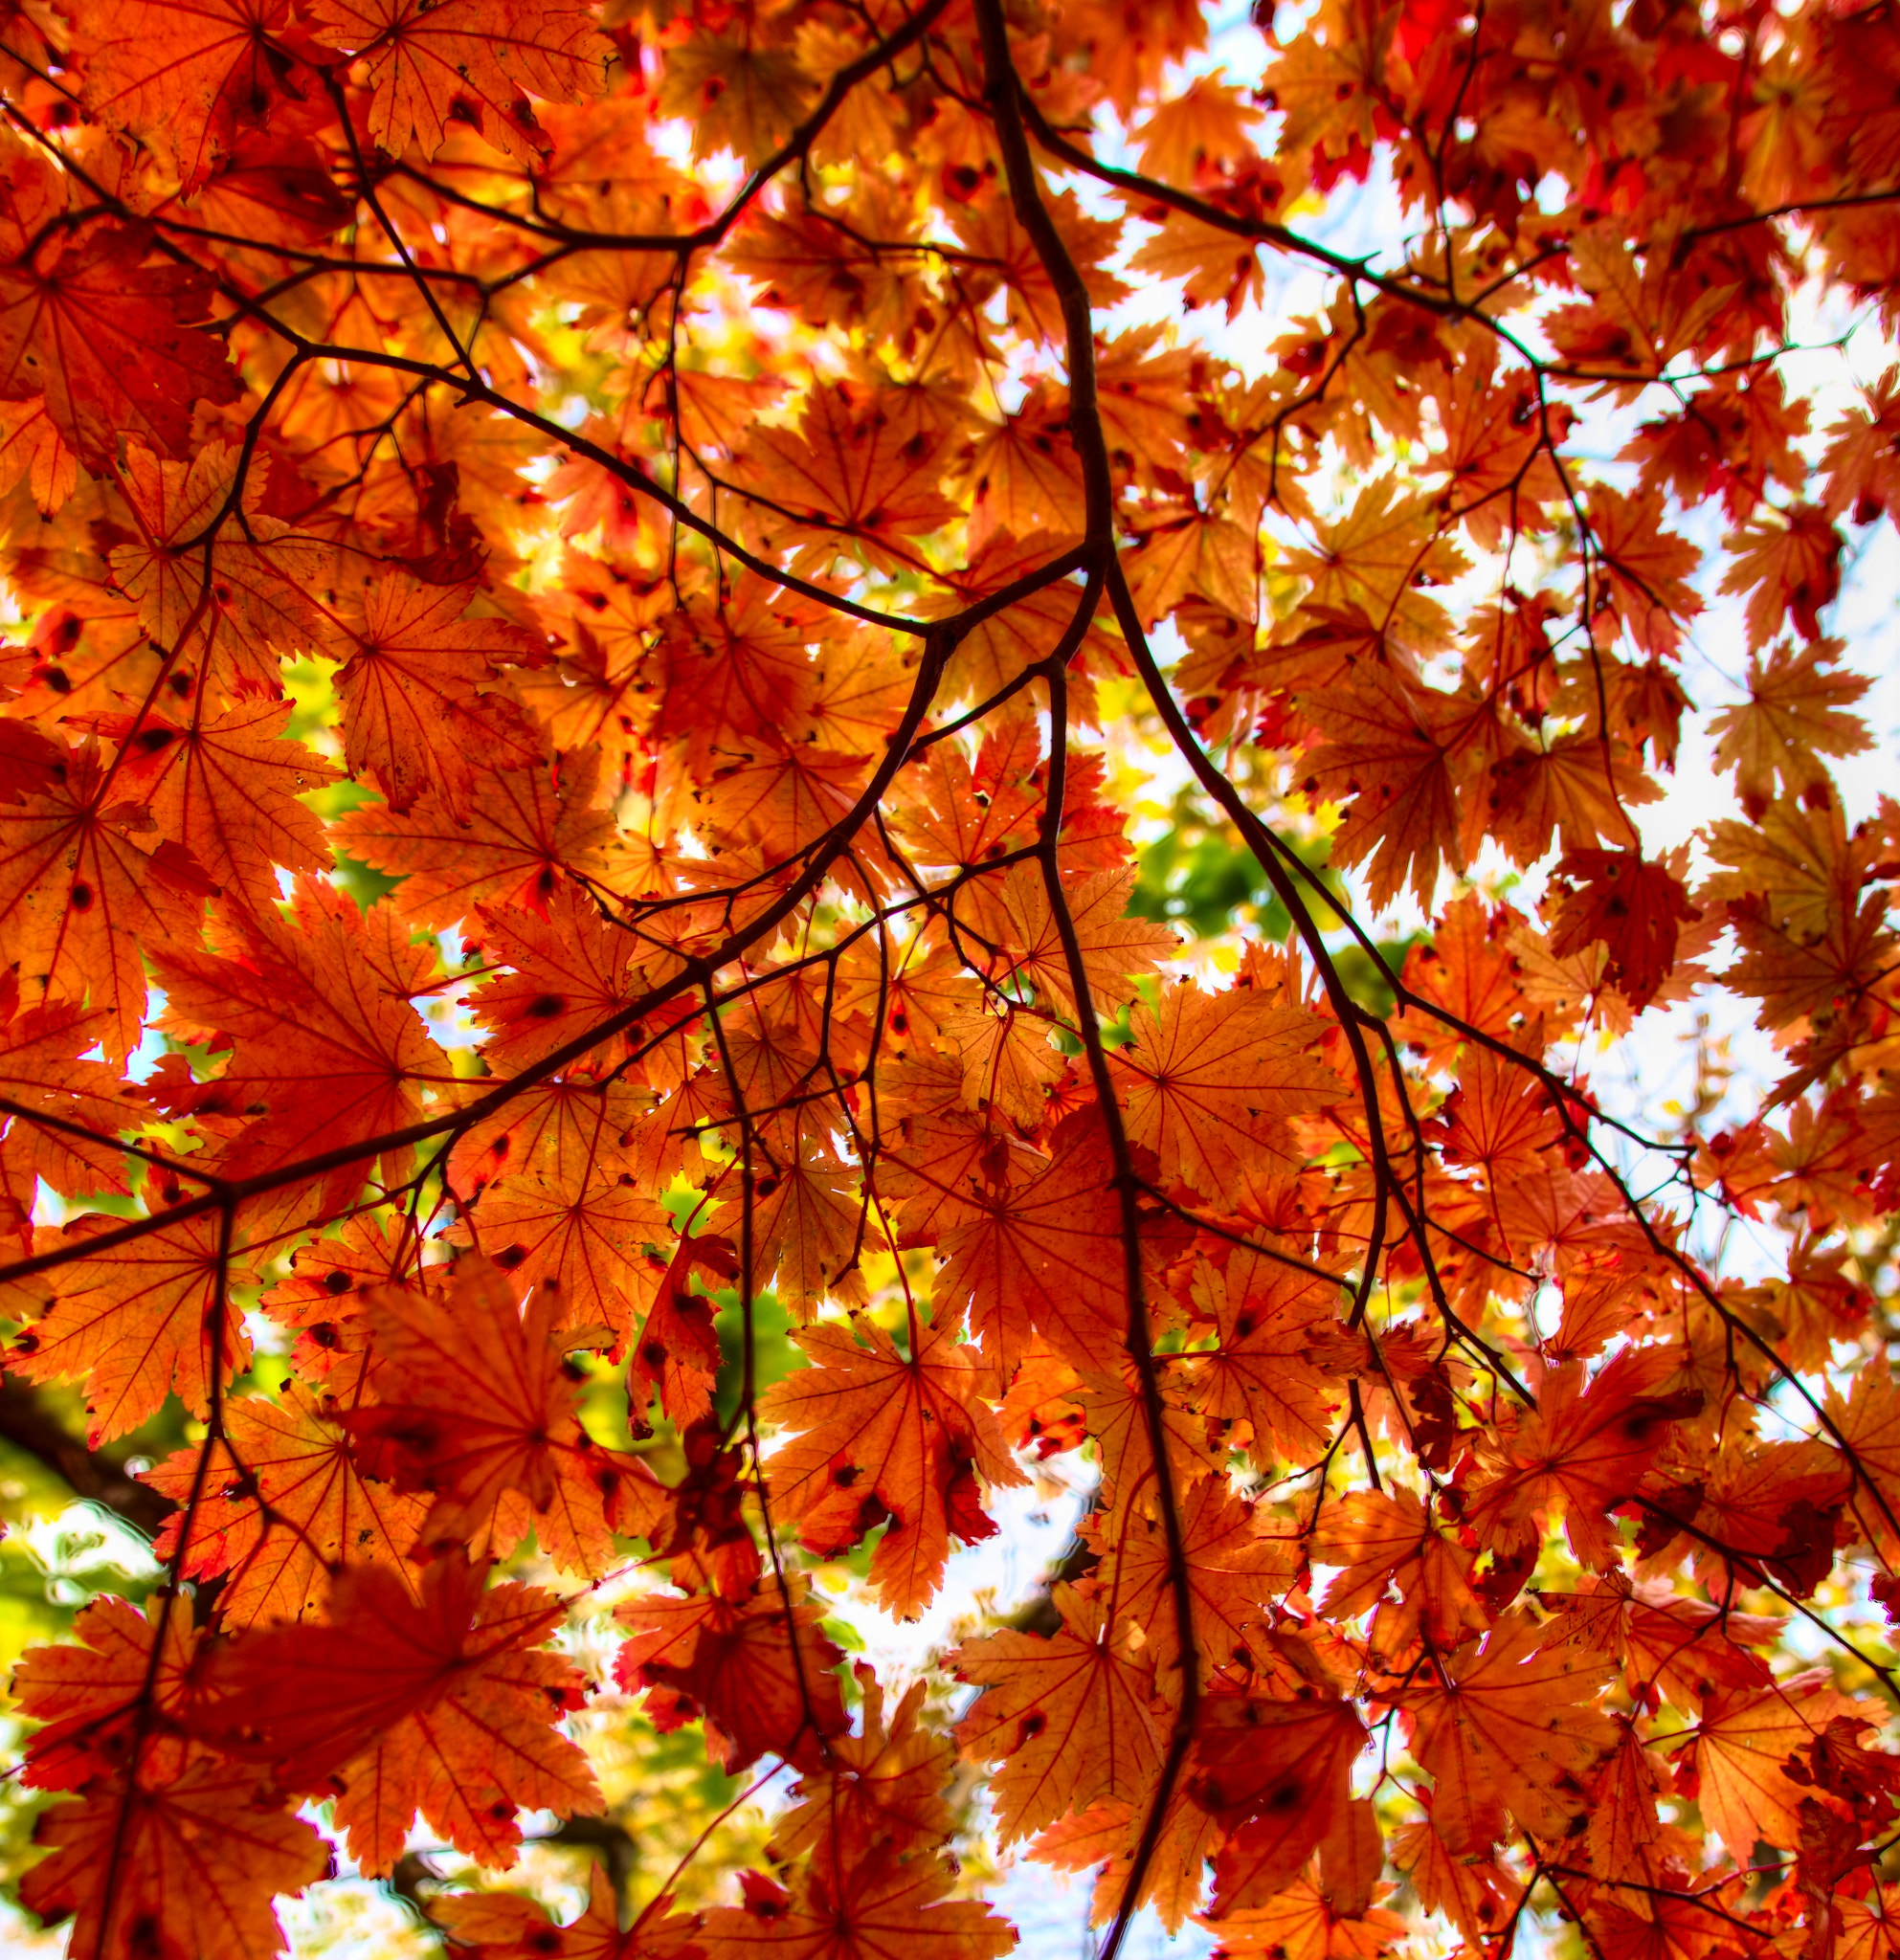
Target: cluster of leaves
[558,783]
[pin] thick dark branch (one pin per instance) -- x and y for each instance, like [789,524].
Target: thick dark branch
[1003,89]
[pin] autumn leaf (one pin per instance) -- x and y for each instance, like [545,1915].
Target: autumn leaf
[758,1669]
[874,1907]
[1387,1546]
[1632,907]
[507,1925]
[187,1866]
[1213,1080]
[476,1406]
[463,61]
[188,78]
[1391,748]
[84,875]
[1644,569]
[1278,1774]
[1584,1448]
[115,347]
[1738,1753]
[1508,1728]
[138,1323]
[552,1194]
[1234,1564]
[882,1434]
[282,1505]
[883,1785]
[736,96]
[421,707]
[228,788]
[324,1049]
[1794,714]
[96,1695]
[859,475]
[1113,947]
[1788,563]
[442,1703]
[1069,1716]
[229,584]
[534,830]
[1268,1370]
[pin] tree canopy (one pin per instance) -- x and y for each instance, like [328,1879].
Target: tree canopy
[929,947]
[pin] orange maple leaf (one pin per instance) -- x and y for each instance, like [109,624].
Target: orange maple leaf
[475,1405]
[883,1434]
[442,1704]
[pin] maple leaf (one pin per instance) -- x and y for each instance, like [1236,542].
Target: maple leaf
[235,593]
[1623,1818]
[1644,569]
[738,95]
[569,973]
[883,1785]
[92,1695]
[758,1668]
[42,1074]
[533,832]
[1210,121]
[1278,1775]
[1379,560]
[327,1048]
[552,1194]
[281,1505]
[1631,905]
[1393,749]
[1640,318]
[475,1405]
[227,789]
[505,1926]
[1235,1564]
[1587,1447]
[1788,562]
[1387,1544]
[1861,473]
[442,1704]
[139,1321]
[1024,1255]
[1113,947]
[1579,787]
[421,705]
[1070,1717]
[991,229]
[1794,714]
[1498,1119]
[1867,1424]
[1212,1079]
[884,1435]
[113,344]
[870,1909]
[80,886]
[463,61]
[1273,1324]
[1213,558]
[185,1867]
[1305,1922]
[1737,1755]
[857,475]
[187,79]
[1475,1894]
[1507,1730]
